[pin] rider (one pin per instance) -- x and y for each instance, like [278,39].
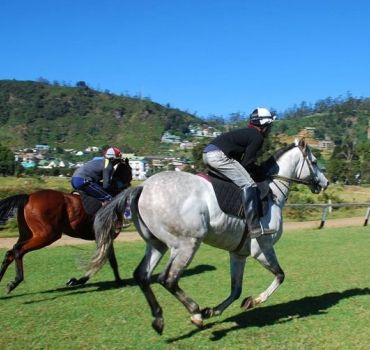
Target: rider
[234,153]
[88,177]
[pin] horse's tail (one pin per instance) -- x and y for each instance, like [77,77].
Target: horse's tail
[104,226]
[9,204]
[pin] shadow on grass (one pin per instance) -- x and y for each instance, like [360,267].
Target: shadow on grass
[281,313]
[102,286]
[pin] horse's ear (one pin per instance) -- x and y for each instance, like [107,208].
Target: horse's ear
[127,161]
[302,143]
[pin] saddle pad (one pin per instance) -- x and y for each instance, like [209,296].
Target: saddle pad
[229,195]
[91,205]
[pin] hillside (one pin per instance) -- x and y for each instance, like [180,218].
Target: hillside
[61,116]
[77,117]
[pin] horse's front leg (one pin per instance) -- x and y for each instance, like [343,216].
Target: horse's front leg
[237,264]
[267,258]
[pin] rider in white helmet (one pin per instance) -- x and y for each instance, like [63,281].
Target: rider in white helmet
[94,177]
[234,154]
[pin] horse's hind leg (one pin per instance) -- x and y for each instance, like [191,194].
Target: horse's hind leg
[8,259]
[142,274]
[179,260]
[113,263]
[22,248]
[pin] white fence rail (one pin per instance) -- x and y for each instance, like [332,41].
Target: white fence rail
[326,208]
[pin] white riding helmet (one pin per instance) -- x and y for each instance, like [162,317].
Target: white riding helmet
[261,117]
[113,153]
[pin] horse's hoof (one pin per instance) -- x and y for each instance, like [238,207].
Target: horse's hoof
[158,325]
[197,319]
[72,282]
[10,286]
[207,312]
[247,303]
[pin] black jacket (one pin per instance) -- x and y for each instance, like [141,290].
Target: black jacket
[243,146]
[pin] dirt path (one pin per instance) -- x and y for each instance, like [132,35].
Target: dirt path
[127,236]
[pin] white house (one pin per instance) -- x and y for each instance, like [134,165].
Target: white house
[139,166]
[92,149]
[186,145]
[169,138]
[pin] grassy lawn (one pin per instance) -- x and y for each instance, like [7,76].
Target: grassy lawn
[324,302]
[348,194]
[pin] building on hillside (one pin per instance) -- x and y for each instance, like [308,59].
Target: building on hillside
[179,165]
[25,155]
[307,132]
[207,131]
[169,138]
[186,145]
[325,144]
[28,164]
[139,166]
[42,147]
[91,149]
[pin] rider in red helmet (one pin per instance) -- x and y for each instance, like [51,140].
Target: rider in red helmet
[94,177]
[234,153]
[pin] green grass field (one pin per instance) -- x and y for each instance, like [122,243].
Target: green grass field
[350,194]
[324,302]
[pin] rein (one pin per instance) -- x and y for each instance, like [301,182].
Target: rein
[312,179]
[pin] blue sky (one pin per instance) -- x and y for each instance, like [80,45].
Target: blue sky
[209,57]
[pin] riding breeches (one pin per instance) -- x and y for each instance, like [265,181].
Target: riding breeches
[91,188]
[229,167]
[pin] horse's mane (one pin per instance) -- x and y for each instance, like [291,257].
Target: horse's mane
[270,165]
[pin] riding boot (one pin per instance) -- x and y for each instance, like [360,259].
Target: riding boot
[250,203]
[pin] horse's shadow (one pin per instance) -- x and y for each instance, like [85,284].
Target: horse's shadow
[280,313]
[102,286]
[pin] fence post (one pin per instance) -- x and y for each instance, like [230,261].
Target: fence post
[323,218]
[367,216]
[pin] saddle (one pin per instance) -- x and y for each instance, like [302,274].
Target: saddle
[90,204]
[230,196]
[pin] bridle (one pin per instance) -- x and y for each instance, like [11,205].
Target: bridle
[311,181]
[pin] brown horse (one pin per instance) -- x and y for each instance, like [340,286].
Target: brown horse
[43,216]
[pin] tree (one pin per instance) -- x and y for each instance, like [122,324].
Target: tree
[81,84]
[197,153]
[8,164]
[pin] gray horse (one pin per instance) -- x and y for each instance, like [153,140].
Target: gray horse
[178,211]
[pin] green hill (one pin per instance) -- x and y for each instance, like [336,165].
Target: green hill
[76,117]
[34,112]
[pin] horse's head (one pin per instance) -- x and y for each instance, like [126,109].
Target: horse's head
[122,176]
[307,169]
[296,163]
